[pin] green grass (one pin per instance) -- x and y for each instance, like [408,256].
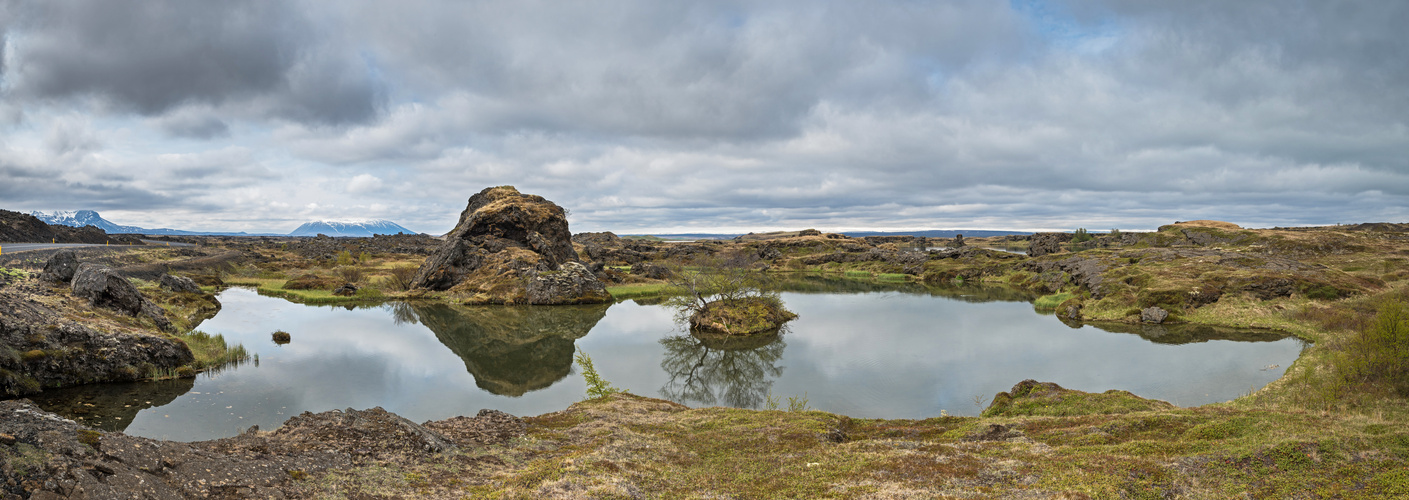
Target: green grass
[632,291]
[212,352]
[274,287]
[1050,302]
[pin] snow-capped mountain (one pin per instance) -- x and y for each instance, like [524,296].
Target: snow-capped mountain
[350,228]
[82,218]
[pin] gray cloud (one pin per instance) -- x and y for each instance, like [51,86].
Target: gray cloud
[154,57]
[641,115]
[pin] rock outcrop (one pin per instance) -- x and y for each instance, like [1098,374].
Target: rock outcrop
[1047,243]
[510,248]
[572,283]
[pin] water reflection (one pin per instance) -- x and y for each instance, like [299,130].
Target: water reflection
[1177,334]
[975,293]
[512,350]
[111,407]
[711,369]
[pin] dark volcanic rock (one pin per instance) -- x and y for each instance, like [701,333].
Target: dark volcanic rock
[1047,243]
[572,283]
[104,288]
[652,271]
[1153,314]
[179,284]
[606,238]
[346,290]
[504,243]
[63,354]
[60,267]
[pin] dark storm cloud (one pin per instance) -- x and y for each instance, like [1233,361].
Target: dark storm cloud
[151,57]
[30,188]
[728,70]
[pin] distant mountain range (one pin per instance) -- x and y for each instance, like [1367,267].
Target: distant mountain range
[350,228]
[81,218]
[928,233]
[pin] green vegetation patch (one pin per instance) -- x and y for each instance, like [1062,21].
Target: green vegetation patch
[1050,302]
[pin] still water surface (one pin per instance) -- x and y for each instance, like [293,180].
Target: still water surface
[898,351]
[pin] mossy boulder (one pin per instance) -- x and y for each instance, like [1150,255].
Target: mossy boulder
[505,250]
[745,316]
[1033,398]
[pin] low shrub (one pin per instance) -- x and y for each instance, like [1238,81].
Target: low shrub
[1379,354]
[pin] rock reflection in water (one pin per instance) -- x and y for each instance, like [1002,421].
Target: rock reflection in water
[111,407]
[710,369]
[1183,333]
[510,350]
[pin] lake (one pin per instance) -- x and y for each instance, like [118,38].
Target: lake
[858,348]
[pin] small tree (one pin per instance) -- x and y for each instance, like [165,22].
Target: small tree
[725,290]
[1081,236]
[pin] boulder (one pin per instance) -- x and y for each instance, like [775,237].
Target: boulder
[346,290]
[652,271]
[572,283]
[510,248]
[60,267]
[1153,314]
[179,284]
[1047,243]
[103,287]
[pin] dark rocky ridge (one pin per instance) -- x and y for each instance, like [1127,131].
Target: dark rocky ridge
[16,227]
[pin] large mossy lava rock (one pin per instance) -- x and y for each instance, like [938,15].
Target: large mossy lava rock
[746,316]
[510,248]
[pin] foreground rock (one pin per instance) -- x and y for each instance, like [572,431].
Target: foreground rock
[45,456]
[510,248]
[40,348]
[1033,398]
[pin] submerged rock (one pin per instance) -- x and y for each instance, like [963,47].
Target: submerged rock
[506,249]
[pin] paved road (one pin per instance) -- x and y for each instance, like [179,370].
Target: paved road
[6,248]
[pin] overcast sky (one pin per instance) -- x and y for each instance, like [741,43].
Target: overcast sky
[723,116]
